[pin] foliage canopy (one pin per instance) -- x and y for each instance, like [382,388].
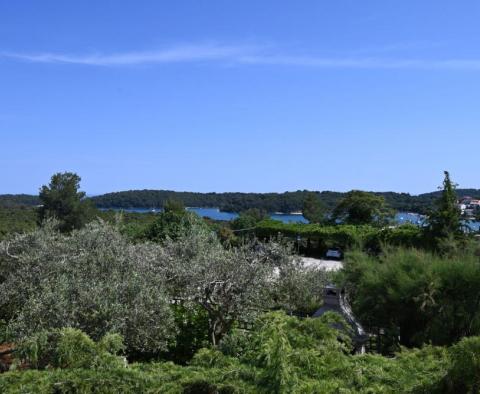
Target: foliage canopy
[282,354]
[416,296]
[359,207]
[313,210]
[93,280]
[62,200]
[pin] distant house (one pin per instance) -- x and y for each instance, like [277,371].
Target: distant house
[334,301]
[468,205]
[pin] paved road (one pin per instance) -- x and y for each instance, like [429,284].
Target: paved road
[327,265]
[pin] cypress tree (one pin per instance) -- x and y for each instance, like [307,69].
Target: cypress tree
[444,222]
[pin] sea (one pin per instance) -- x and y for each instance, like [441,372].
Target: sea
[217,214]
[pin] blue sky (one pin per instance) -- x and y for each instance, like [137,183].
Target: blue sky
[240,95]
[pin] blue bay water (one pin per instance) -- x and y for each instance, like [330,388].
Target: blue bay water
[414,218]
[216,214]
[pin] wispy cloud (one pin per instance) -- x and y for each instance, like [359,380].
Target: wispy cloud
[398,47]
[244,55]
[186,53]
[365,62]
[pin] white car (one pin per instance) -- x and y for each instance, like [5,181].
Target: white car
[334,254]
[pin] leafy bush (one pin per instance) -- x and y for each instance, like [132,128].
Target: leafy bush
[346,236]
[281,354]
[300,289]
[464,376]
[248,219]
[145,378]
[171,224]
[70,348]
[343,236]
[93,280]
[193,332]
[407,236]
[17,220]
[229,284]
[414,295]
[288,355]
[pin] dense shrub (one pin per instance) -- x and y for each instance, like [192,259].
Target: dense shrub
[248,219]
[96,280]
[70,348]
[300,289]
[464,375]
[229,284]
[280,355]
[192,332]
[171,224]
[17,220]
[93,280]
[288,355]
[414,295]
[407,236]
[343,236]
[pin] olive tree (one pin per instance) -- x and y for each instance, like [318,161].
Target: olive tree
[93,280]
[231,284]
[96,281]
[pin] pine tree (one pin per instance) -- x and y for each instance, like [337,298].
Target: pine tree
[313,209]
[444,222]
[62,200]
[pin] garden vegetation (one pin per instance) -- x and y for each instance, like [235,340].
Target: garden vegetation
[175,304]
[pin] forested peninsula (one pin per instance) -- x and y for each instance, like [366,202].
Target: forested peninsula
[238,202]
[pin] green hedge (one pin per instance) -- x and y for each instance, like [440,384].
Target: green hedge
[428,370]
[408,235]
[138,378]
[282,354]
[343,236]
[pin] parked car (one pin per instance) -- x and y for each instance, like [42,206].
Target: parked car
[334,254]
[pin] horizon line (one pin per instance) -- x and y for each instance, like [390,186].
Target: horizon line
[249,192]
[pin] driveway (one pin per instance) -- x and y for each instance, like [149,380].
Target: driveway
[327,265]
